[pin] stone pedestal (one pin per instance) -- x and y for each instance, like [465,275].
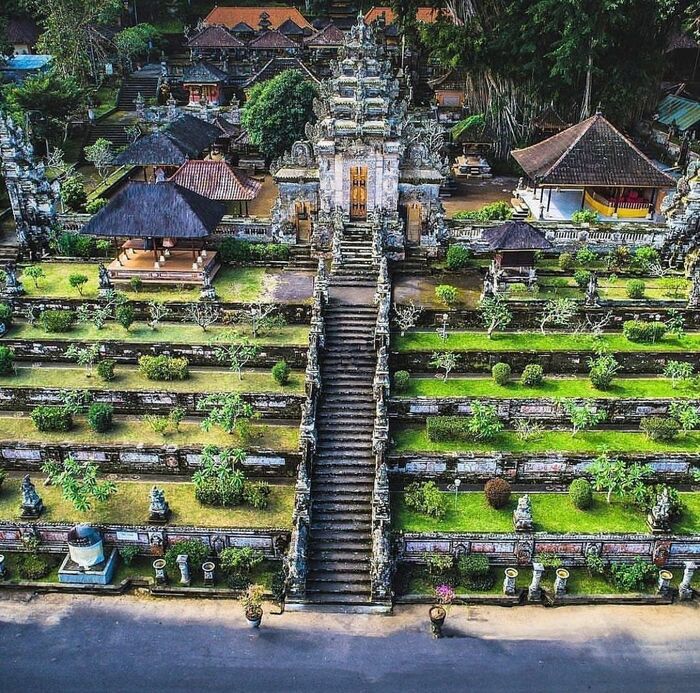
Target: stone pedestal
[560,582]
[159,570]
[183,565]
[32,505]
[208,570]
[509,582]
[664,585]
[3,568]
[97,574]
[534,591]
[685,591]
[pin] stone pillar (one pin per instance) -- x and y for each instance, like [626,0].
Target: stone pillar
[560,582]
[685,591]
[3,569]
[534,591]
[665,577]
[183,565]
[159,569]
[509,583]
[208,570]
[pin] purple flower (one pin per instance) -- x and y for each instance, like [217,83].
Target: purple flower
[444,594]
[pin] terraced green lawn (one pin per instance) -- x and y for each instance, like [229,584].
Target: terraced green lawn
[173,333]
[130,506]
[551,512]
[129,378]
[536,341]
[133,431]
[414,439]
[553,388]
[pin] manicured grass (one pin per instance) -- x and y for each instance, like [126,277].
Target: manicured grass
[233,284]
[130,506]
[689,522]
[414,439]
[536,341]
[132,431]
[615,290]
[552,512]
[173,333]
[647,388]
[129,378]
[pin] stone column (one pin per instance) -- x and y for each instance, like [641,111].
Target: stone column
[534,591]
[685,591]
[665,577]
[3,569]
[184,567]
[560,582]
[509,583]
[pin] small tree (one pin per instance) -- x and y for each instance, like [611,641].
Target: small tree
[202,314]
[685,414]
[84,356]
[444,360]
[484,423]
[157,312]
[495,314]
[35,273]
[446,294]
[260,317]
[582,416]
[613,476]
[237,355]
[677,372]
[73,192]
[78,482]
[406,317]
[224,410]
[603,369]
[78,281]
[558,312]
[100,155]
[125,316]
[675,324]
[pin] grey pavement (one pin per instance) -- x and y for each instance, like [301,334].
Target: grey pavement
[138,643]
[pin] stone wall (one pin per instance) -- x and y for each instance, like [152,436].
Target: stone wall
[150,540]
[516,549]
[619,411]
[268,405]
[141,459]
[53,350]
[536,468]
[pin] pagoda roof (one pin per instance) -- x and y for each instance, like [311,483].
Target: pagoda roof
[515,235]
[214,36]
[330,35]
[270,40]
[203,73]
[215,180]
[156,210]
[276,65]
[590,153]
[679,40]
[231,16]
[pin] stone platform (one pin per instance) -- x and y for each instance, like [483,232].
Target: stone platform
[176,269]
[99,574]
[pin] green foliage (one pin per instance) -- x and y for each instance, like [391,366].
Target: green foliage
[615,477]
[497,492]
[105,370]
[196,551]
[50,417]
[636,288]
[77,281]
[71,244]
[134,40]
[603,369]
[165,425]
[594,563]
[78,482]
[73,192]
[675,323]
[32,566]
[473,565]
[582,416]
[483,424]
[633,577]
[495,314]
[35,273]
[224,410]
[99,417]
[128,553]
[233,250]
[548,560]
[277,111]
[501,373]
[136,284]
[425,497]
[678,371]
[444,360]
[686,414]
[281,372]
[439,564]
[643,331]
[446,294]
[125,316]
[96,204]
[494,211]
[566,262]
[582,277]
[674,286]
[659,428]
[257,494]
[164,368]
[401,381]
[5,314]
[239,562]
[584,216]
[581,494]
[586,256]
[467,125]
[7,360]
[57,320]
[558,312]
[458,257]
[532,375]
[643,258]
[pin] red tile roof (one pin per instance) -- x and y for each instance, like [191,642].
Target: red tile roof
[214,36]
[215,180]
[230,16]
[427,15]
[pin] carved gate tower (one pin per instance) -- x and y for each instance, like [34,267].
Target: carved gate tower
[363,158]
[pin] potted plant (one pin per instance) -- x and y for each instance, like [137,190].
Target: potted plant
[252,604]
[444,596]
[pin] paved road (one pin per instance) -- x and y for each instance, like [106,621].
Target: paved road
[71,643]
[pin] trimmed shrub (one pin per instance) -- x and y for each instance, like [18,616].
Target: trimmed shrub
[128,553]
[633,577]
[643,331]
[32,566]
[99,417]
[439,564]
[257,494]
[532,375]
[125,316]
[497,491]
[233,250]
[581,494]
[105,370]
[281,372]
[7,361]
[50,417]
[78,281]
[659,428]
[458,257]
[566,262]
[483,424]
[581,277]
[446,293]
[501,373]
[425,498]
[164,367]
[239,561]
[72,244]
[196,550]
[57,320]
[586,256]
[401,381]
[136,284]
[473,565]
[636,288]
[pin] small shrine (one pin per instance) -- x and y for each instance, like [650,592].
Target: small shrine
[204,84]
[86,562]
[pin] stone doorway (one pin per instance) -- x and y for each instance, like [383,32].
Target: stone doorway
[358,192]
[414,223]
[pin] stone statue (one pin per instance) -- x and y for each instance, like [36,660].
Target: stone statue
[489,290]
[32,505]
[659,517]
[694,296]
[534,591]
[592,297]
[208,292]
[522,515]
[183,564]
[685,589]
[105,282]
[159,509]
[13,286]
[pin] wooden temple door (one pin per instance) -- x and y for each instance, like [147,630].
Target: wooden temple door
[358,192]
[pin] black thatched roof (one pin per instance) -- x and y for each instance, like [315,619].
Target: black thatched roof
[184,138]
[156,210]
[203,73]
[590,153]
[515,235]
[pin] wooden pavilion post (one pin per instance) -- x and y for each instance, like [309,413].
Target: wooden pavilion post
[583,197]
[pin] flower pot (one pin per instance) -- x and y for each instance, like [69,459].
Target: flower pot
[254,617]
[437,615]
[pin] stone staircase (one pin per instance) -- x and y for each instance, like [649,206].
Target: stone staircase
[145,82]
[356,248]
[113,131]
[340,545]
[300,258]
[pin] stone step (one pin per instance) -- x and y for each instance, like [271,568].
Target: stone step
[341,605]
[327,519]
[350,577]
[346,556]
[342,486]
[324,504]
[335,565]
[318,588]
[354,311]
